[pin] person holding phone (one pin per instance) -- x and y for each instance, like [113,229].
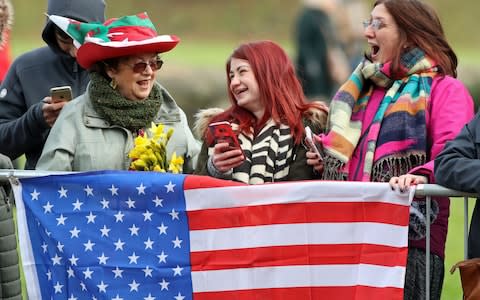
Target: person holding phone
[96,130]
[393,116]
[26,110]
[268,113]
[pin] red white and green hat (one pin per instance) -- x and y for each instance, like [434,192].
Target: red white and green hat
[115,38]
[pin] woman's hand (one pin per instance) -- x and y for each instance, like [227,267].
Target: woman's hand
[224,158]
[403,182]
[314,161]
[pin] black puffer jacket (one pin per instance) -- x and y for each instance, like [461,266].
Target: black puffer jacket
[10,288]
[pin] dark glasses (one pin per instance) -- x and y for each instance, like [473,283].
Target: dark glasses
[141,66]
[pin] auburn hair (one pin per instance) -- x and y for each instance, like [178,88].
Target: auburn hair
[280,90]
[419,26]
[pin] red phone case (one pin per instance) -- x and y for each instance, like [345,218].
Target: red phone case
[222,132]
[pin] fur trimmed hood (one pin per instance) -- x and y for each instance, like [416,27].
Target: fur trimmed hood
[6,19]
[204,116]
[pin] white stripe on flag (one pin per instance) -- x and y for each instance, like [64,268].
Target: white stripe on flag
[28,261]
[297,234]
[298,192]
[298,276]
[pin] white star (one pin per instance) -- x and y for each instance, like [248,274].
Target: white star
[44,247]
[91,218]
[62,192]
[174,214]
[102,287]
[89,246]
[177,271]
[49,275]
[58,288]
[61,220]
[48,233]
[147,216]
[170,187]
[150,297]
[88,190]
[162,228]
[56,260]
[114,190]
[133,230]
[134,286]
[70,272]
[77,205]
[35,195]
[119,245]
[117,298]
[87,273]
[105,203]
[84,287]
[158,201]
[130,203]
[119,217]
[164,284]
[148,244]
[162,257]
[141,189]
[147,271]
[102,260]
[74,232]
[73,260]
[177,243]
[117,272]
[179,297]
[72,297]
[105,230]
[60,246]
[47,207]
[133,258]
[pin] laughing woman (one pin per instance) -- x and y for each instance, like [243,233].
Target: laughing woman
[394,115]
[268,112]
[96,130]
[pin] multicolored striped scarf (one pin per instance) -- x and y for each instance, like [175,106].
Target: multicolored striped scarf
[396,139]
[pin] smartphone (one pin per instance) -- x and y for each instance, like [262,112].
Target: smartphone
[61,93]
[222,132]
[311,143]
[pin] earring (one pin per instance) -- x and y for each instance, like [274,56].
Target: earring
[113,83]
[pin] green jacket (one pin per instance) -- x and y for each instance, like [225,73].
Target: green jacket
[81,140]
[10,288]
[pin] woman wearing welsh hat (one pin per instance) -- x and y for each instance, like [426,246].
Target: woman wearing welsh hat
[96,130]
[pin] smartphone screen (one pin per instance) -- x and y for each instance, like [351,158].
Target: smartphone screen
[311,144]
[61,93]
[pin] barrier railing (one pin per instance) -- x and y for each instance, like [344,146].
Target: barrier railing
[422,190]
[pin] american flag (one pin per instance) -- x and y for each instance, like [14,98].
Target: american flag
[141,235]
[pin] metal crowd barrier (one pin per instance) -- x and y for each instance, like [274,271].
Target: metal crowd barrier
[422,190]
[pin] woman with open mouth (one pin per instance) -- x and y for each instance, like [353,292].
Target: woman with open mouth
[392,117]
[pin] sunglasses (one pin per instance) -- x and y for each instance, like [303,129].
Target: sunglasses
[140,67]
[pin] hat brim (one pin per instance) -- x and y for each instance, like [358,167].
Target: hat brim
[92,52]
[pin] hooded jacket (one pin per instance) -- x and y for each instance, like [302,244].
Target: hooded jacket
[23,128]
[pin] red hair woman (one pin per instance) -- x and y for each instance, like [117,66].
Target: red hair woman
[268,112]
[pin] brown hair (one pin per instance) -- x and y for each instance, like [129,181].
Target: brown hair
[419,26]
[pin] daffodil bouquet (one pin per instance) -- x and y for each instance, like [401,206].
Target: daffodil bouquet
[150,151]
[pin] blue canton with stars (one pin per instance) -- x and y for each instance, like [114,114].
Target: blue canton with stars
[109,235]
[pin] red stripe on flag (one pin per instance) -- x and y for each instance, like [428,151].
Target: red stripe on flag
[298,255]
[199,182]
[316,212]
[307,293]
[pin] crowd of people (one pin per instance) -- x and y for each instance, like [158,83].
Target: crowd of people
[401,116]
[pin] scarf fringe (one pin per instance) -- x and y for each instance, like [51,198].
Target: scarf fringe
[332,169]
[392,166]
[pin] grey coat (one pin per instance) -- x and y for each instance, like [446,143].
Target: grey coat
[10,288]
[81,140]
